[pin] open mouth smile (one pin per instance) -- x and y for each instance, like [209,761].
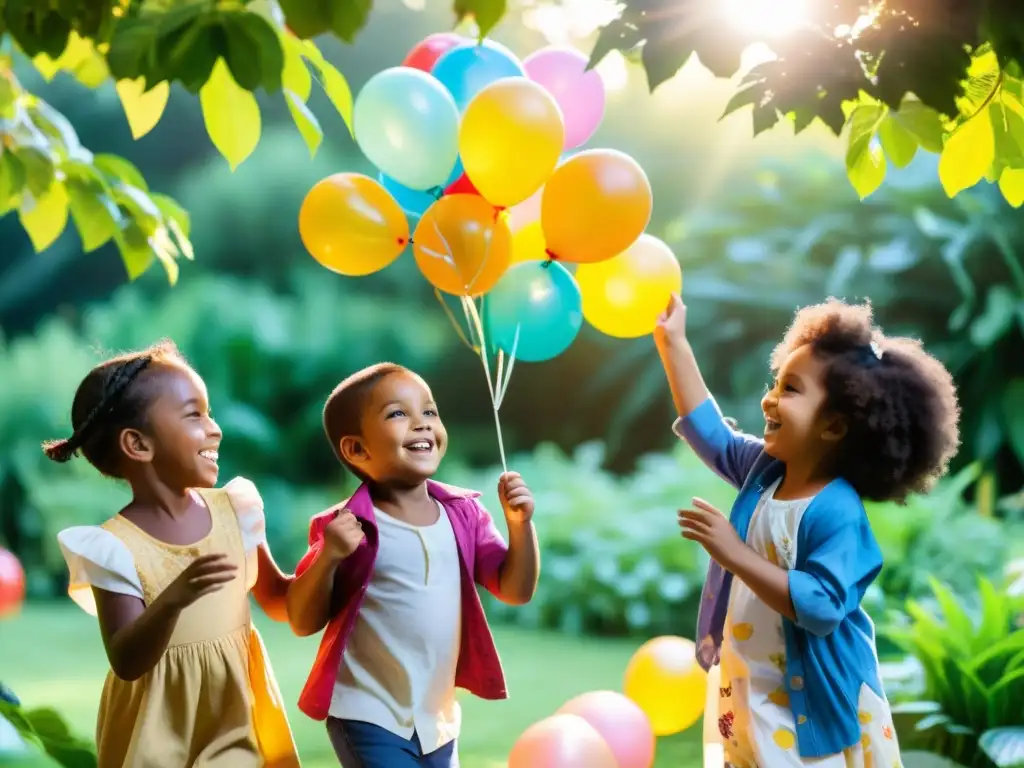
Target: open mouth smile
[771,425]
[210,455]
[421,446]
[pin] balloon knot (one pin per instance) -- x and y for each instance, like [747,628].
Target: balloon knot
[551,255]
[547,264]
[403,241]
[436,192]
[498,210]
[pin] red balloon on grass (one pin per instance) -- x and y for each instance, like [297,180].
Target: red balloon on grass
[430,49]
[12,584]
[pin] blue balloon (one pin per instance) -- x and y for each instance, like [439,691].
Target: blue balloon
[467,69]
[416,201]
[542,301]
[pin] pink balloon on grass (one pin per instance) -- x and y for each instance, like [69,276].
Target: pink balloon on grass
[621,723]
[579,92]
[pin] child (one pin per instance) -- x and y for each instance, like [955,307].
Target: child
[390,573]
[852,415]
[169,576]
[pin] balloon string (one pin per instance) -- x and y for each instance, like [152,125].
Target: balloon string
[474,317]
[455,323]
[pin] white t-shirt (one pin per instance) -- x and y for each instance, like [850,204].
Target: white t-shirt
[398,670]
[97,558]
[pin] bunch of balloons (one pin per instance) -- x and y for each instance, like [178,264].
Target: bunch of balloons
[12,584]
[481,153]
[665,692]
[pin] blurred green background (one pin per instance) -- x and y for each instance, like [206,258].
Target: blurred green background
[760,227]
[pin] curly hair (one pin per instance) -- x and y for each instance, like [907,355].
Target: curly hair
[899,402]
[113,396]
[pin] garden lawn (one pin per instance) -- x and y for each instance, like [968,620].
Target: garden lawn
[53,656]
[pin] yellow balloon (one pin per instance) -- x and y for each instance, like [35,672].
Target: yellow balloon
[595,205]
[510,140]
[528,244]
[665,681]
[462,245]
[352,225]
[624,295]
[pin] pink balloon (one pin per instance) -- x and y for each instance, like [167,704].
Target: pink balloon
[561,741]
[578,92]
[621,723]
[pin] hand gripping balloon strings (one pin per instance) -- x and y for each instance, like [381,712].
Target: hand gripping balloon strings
[498,386]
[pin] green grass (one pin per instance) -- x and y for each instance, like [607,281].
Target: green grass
[53,656]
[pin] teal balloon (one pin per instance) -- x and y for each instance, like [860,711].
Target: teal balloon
[542,301]
[416,201]
[407,124]
[467,69]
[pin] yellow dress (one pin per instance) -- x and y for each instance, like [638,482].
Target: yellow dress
[211,701]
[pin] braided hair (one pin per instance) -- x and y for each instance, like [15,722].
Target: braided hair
[113,396]
[899,402]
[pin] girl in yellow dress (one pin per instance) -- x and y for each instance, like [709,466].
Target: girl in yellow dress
[169,577]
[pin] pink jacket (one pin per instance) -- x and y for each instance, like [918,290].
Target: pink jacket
[482,551]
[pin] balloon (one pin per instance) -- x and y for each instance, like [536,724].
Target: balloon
[352,225]
[510,140]
[407,125]
[528,211]
[579,91]
[539,302]
[12,584]
[621,723]
[528,244]
[664,679]
[624,295]
[425,53]
[561,741]
[415,201]
[595,205]
[468,68]
[461,246]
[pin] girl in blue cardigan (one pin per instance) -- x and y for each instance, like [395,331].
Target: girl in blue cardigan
[851,415]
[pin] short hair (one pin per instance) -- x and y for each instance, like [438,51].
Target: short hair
[899,402]
[343,411]
[114,396]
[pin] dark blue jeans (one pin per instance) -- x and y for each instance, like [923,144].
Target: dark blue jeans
[363,745]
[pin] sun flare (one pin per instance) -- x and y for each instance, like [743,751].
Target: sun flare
[766,18]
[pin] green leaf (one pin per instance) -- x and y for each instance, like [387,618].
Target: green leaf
[12,180]
[39,170]
[295,75]
[170,208]
[307,18]
[334,84]
[348,17]
[1004,746]
[749,94]
[95,214]
[968,153]
[664,54]
[921,122]
[486,13]
[189,53]
[268,43]
[118,169]
[142,108]
[136,253]
[305,121]
[1013,413]
[46,218]
[865,162]
[617,35]
[231,114]
[898,143]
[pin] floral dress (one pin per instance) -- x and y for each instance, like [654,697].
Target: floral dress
[753,712]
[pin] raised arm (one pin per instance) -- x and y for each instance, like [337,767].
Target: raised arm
[681,369]
[309,595]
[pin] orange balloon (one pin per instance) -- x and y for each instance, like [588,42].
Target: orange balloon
[561,741]
[595,205]
[12,584]
[352,225]
[462,245]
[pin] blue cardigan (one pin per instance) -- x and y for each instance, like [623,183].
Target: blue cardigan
[830,648]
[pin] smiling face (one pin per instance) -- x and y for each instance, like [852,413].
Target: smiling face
[402,438]
[181,439]
[797,427]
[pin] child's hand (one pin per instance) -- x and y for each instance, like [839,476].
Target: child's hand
[343,535]
[516,499]
[713,531]
[205,574]
[671,325]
